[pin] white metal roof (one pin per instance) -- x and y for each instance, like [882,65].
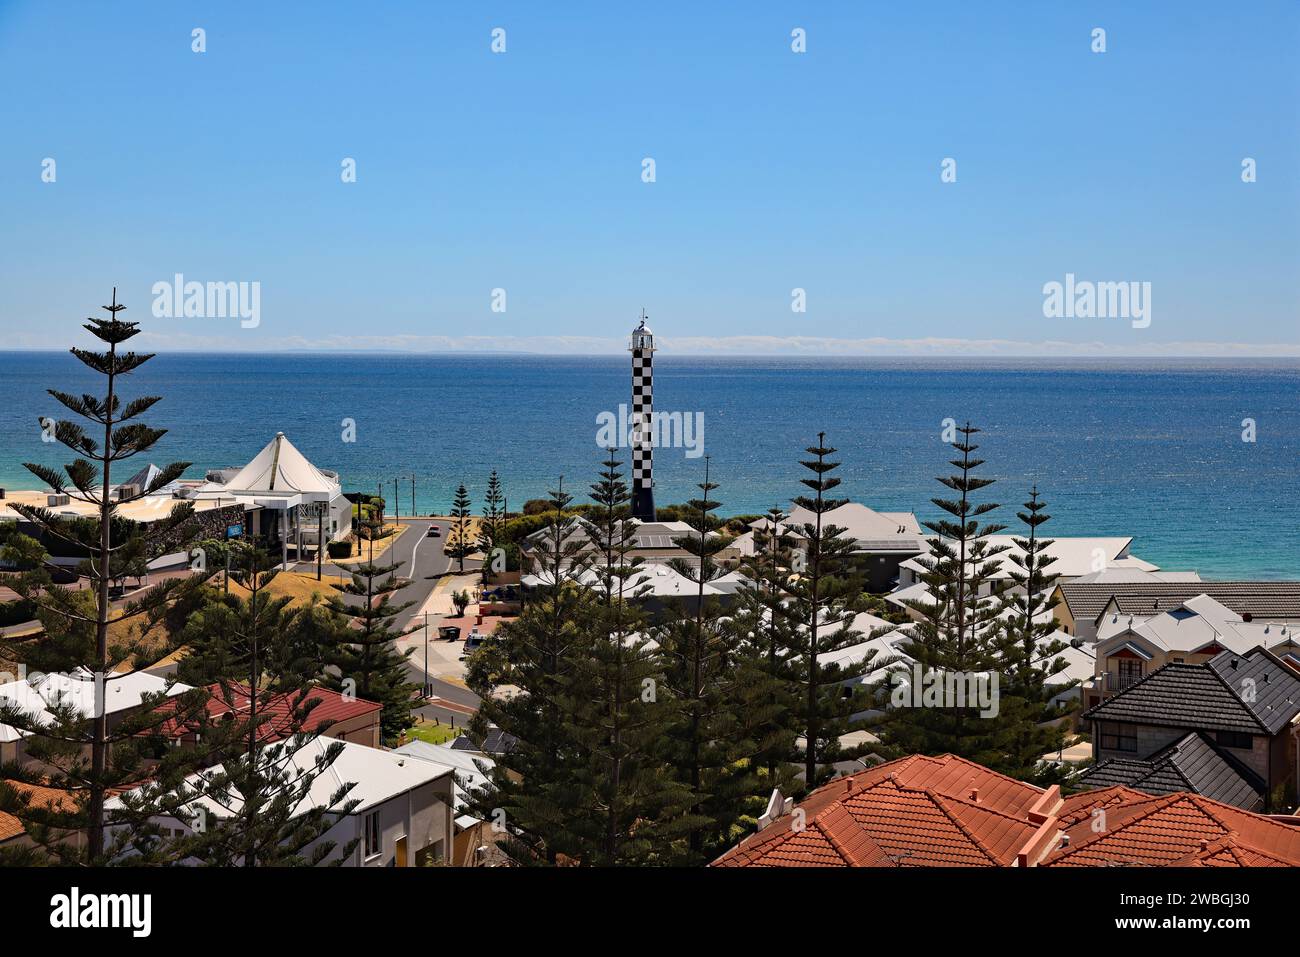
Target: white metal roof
[376,776]
[37,695]
[281,469]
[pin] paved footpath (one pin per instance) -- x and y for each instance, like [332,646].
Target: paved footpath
[446,670]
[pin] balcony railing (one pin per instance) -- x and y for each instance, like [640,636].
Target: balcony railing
[1112,681]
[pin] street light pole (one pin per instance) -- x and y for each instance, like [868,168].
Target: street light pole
[412,495]
[426,654]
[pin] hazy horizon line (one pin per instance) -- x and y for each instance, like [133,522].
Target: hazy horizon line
[787,347]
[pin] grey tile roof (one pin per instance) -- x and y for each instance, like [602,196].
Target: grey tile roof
[1270,689]
[1192,763]
[495,741]
[1087,600]
[1254,693]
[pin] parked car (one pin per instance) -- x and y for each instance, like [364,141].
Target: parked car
[473,642]
[449,633]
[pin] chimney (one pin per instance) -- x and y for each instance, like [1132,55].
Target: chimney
[975,795]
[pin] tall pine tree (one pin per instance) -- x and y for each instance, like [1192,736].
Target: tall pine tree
[1031,655]
[460,542]
[82,754]
[765,643]
[716,731]
[366,662]
[955,639]
[492,527]
[819,597]
[523,676]
[628,810]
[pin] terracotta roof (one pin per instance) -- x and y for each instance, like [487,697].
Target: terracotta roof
[921,812]
[331,707]
[1173,830]
[41,796]
[1087,600]
[914,812]
[10,826]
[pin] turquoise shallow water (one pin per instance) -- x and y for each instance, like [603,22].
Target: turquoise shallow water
[1151,449]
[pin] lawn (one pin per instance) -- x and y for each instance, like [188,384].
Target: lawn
[433,733]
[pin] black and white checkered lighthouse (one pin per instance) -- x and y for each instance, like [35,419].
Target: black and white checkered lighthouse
[642,421]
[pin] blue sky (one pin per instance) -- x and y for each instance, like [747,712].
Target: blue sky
[774,170]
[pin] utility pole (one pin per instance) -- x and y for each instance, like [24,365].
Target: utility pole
[412,495]
[426,654]
[320,540]
[397,508]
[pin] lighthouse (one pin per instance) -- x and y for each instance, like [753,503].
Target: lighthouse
[643,492]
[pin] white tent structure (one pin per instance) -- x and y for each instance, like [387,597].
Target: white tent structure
[289,498]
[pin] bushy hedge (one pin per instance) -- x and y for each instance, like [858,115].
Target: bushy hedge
[339,549]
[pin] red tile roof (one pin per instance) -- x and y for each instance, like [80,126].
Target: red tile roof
[946,811]
[331,707]
[1172,830]
[40,796]
[913,812]
[10,826]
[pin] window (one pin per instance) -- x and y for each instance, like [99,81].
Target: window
[1119,737]
[1235,739]
[372,834]
[1130,671]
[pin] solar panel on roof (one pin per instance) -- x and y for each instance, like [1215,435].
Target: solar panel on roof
[889,545]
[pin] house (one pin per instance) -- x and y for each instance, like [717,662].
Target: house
[279,497]
[1172,830]
[12,831]
[287,500]
[118,695]
[495,741]
[1080,605]
[1073,558]
[1131,646]
[947,811]
[913,812]
[1246,707]
[655,586]
[651,541]
[475,840]
[882,540]
[332,715]
[1192,763]
[403,816]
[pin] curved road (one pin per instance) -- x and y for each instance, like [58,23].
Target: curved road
[419,560]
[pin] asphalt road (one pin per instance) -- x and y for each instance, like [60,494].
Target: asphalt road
[419,559]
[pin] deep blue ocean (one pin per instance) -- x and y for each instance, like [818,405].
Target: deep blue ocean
[1147,448]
